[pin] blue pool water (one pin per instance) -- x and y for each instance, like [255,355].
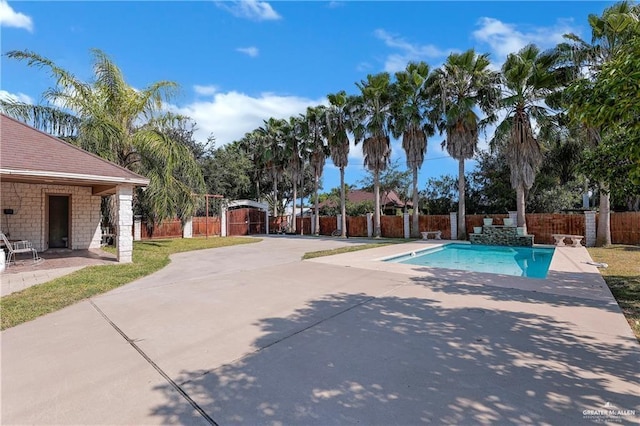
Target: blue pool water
[518,261]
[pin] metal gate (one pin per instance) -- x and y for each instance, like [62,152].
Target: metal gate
[245,221]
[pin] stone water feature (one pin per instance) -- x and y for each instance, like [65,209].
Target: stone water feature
[499,235]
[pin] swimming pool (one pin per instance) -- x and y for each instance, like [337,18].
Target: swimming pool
[530,262]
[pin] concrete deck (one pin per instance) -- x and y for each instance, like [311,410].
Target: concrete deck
[24,273]
[250,334]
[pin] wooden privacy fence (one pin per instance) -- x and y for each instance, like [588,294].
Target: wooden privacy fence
[391,226]
[276,223]
[303,223]
[202,226]
[328,224]
[357,226]
[246,221]
[173,228]
[166,229]
[440,223]
[472,220]
[542,225]
[625,226]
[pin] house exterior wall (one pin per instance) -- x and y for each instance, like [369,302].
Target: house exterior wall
[28,221]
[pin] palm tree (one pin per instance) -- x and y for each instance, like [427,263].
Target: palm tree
[529,77]
[609,34]
[315,134]
[293,136]
[372,118]
[411,120]
[338,123]
[121,124]
[271,153]
[464,83]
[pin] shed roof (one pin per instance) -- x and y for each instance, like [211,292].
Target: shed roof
[30,155]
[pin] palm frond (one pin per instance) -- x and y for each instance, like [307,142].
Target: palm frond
[46,118]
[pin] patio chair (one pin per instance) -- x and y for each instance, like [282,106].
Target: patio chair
[19,247]
[108,236]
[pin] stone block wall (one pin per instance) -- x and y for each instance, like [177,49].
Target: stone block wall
[27,222]
[501,236]
[124,240]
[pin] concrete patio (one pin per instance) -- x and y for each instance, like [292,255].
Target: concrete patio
[253,335]
[24,273]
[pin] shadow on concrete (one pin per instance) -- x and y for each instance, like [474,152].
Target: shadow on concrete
[352,358]
[566,288]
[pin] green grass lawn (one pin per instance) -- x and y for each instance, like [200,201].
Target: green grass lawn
[312,254]
[623,278]
[148,257]
[350,248]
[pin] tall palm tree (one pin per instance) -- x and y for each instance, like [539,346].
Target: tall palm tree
[294,138]
[338,124]
[373,116]
[315,135]
[119,123]
[529,78]
[463,84]
[271,153]
[413,121]
[608,36]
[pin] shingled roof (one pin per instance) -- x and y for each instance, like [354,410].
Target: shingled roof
[29,155]
[389,199]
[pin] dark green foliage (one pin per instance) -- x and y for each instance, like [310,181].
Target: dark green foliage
[227,171]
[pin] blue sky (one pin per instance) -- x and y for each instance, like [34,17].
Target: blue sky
[238,63]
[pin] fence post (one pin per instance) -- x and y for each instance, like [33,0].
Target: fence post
[187,228]
[339,221]
[513,215]
[453,217]
[313,224]
[590,228]
[405,219]
[223,220]
[137,228]
[369,225]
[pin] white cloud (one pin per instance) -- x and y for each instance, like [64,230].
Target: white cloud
[16,97]
[205,90]
[364,67]
[504,38]
[251,51]
[408,52]
[228,116]
[250,9]
[11,18]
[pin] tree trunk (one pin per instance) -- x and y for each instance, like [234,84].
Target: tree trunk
[415,220]
[603,234]
[462,227]
[293,210]
[275,196]
[301,205]
[316,219]
[377,232]
[520,206]
[343,205]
